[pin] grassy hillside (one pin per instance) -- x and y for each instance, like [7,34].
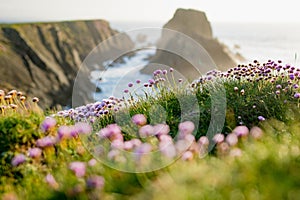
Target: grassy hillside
[227,135]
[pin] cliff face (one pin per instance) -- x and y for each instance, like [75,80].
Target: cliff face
[42,59]
[195,25]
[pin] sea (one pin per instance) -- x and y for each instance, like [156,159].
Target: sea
[254,41]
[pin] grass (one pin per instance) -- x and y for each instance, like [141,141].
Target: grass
[254,95]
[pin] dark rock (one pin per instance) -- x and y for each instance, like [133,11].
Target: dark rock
[98,89]
[194,25]
[43,59]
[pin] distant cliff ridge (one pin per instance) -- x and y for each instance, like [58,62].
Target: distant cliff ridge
[42,59]
[195,25]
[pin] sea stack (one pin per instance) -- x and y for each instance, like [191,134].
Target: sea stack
[194,25]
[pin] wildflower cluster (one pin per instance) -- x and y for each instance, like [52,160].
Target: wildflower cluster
[15,101]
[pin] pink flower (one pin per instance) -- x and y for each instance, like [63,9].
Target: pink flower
[48,123]
[187,156]
[167,149]
[128,145]
[203,140]
[95,182]
[51,181]
[64,132]
[161,129]
[146,131]
[92,162]
[46,141]
[256,132]
[18,159]
[218,138]
[139,119]
[78,168]
[232,139]
[241,131]
[185,128]
[35,152]
[83,128]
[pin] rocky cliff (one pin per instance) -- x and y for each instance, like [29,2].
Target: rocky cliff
[195,25]
[42,59]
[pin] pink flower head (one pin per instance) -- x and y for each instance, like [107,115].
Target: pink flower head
[241,131]
[232,139]
[51,181]
[186,127]
[146,131]
[128,145]
[64,132]
[95,182]
[83,128]
[256,132]
[143,149]
[92,162]
[161,129]
[167,149]
[34,152]
[48,123]
[78,168]
[187,156]
[46,141]
[18,159]
[114,132]
[218,138]
[139,119]
[203,140]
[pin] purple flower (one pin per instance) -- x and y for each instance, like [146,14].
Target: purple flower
[297,95]
[34,152]
[130,84]
[151,81]
[18,159]
[241,131]
[180,80]
[46,141]
[164,72]
[64,132]
[126,91]
[146,131]
[51,181]
[171,69]
[261,118]
[78,168]
[139,119]
[138,81]
[48,123]
[95,182]
[292,76]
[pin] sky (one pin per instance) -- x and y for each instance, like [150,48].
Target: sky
[148,10]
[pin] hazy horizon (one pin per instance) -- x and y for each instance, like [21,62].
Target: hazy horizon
[16,11]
